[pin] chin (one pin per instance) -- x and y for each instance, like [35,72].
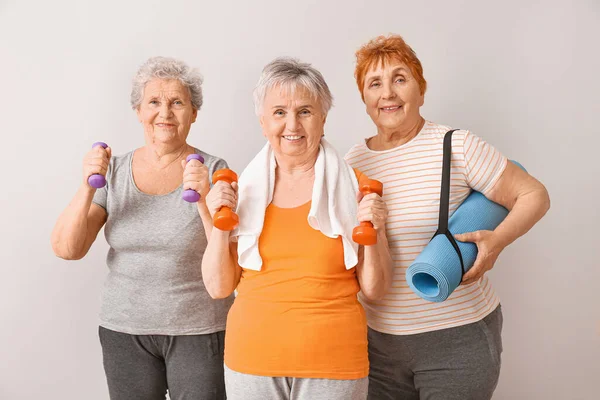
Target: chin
[389,124]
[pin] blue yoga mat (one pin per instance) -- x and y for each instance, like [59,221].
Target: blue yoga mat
[436,272]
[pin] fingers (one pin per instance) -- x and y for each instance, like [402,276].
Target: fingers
[373,209]
[359,196]
[195,177]
[96,161]
[96,166]
[472,237]
[473,274]
[222,194]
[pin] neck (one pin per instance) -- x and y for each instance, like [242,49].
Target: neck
[161,155]
[389,138]
[296,167]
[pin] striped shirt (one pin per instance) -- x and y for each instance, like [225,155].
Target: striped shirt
[411,176]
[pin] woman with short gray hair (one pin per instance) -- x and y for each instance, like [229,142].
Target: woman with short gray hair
[296,329]
[159,328]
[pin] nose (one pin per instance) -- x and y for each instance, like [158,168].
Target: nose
[165,111]
[388,92]
[292,123]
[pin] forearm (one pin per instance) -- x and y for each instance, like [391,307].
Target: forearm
[206,219]
[375,273]
[219,265]
[69,236]
[526,212]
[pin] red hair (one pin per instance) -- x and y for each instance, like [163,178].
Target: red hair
[383,50]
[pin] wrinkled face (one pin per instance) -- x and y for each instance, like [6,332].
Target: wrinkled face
[166,111]
[392,96]
[292,122]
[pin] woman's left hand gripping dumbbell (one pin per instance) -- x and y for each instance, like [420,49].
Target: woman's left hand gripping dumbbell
[195,179]
[95,165]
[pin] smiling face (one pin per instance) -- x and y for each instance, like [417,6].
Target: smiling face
[293,122]
[392,96]
[166,111]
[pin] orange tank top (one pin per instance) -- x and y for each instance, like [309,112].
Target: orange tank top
[299,316]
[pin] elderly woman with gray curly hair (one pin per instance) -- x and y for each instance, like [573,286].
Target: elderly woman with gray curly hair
[160,330]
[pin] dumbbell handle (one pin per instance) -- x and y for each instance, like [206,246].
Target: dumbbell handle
[190,195]
[97,181]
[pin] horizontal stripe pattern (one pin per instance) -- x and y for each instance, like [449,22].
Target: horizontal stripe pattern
[411,177]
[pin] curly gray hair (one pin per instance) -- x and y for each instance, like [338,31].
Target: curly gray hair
[167,68]
[291,73]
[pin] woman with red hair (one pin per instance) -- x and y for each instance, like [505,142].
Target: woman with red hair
[418,349]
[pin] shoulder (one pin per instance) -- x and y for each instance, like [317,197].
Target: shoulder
[120,162]
[211,161]
[438,131]
[358,148]
[356,154]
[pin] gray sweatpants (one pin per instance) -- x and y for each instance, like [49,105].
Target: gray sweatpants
[461,363]
[143,367]
[253,387]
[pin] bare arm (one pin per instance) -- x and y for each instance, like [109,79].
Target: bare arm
[206,219]
[196,177]
[374,268]
[78,225]
[220,270]
[527,201]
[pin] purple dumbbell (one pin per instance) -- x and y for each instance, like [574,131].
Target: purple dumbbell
[97,181]
[190,195]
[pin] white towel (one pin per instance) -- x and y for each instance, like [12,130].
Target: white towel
[333,210]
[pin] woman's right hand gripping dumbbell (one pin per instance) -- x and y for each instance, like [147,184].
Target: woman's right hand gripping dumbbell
[223,197]
[95,165]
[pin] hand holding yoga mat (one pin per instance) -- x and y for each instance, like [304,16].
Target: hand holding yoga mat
[438,270]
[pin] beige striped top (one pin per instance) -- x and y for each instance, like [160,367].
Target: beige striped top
[411,176]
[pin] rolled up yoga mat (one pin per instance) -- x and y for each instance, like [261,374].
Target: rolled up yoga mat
[437,271]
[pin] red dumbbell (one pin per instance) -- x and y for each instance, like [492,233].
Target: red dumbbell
[365,234]
[225,219]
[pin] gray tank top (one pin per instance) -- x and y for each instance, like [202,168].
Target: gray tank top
[154,285]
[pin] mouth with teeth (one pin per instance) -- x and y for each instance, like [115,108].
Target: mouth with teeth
[294,138]
[390,109]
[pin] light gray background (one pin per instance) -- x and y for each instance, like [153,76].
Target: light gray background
[521,74]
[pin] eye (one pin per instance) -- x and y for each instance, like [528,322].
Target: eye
[374,84]
[178,102]
[400,79]
[279,113]
[153,102]
[304,112]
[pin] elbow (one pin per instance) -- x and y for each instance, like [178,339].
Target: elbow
[543,200]
[373,295]
[219,294]
[376,292]
[218,291]
[65,255]
[61,251]
[546,202]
